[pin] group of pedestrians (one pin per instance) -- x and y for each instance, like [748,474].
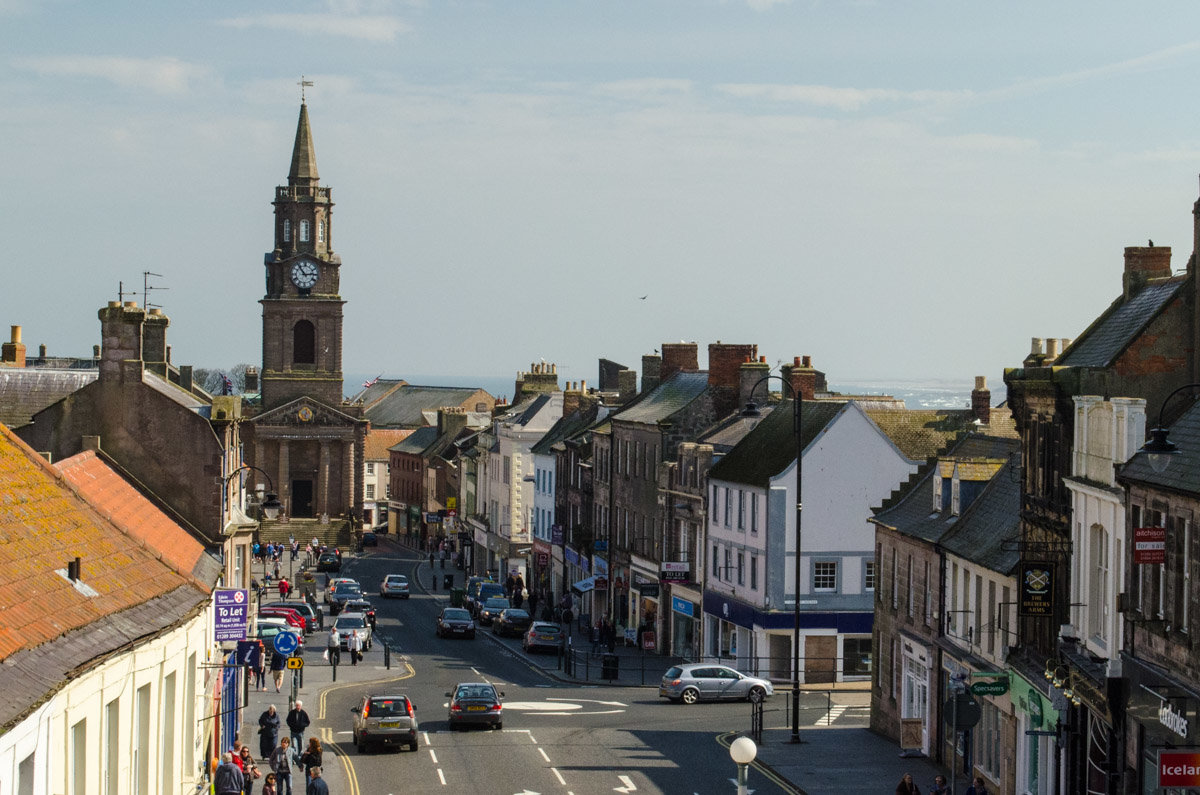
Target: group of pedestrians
[238,769]
[908,787]
[333,646]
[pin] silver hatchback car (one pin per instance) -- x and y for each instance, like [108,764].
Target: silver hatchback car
[705,681]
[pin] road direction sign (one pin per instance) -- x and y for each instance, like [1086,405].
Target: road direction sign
[286,642]
[295,663]
[962,711]
[996,688]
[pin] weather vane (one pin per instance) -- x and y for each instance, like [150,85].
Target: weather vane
[303,85]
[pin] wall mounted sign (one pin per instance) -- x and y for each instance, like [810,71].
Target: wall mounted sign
[1178,768]
[232,612]
[1149,545]
[1036,595]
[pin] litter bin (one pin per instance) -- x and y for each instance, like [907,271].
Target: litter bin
[447,581]
[457,597]
[609,665]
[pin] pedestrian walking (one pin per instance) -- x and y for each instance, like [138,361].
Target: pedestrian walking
[258,668]
[311,757]
[297,722]
[228,779]
[907,786]
[278,664]
[354,646]
[977,787]
[939,786]
[333,646]
[268,731]
[283,587]
[533,603]
[281,763]
[316,784]
[250,770]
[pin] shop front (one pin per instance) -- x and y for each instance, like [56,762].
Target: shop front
[1037,736]
[1161,721]
[645,597]
[685,622]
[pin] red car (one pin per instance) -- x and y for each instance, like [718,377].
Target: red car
[293,617]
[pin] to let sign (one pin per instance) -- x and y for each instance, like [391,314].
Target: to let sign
[1178,769]
[1149,545]
[233,610]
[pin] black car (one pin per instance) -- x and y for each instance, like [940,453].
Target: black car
[342,593]
[485,591]
[360,606]
[513,621]
[329,562]
[455,622]
[492,608]
[369,539]
[476,703]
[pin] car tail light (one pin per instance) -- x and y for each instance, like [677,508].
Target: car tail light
[456,707]
[367,709]
[675,681]
[410,709]
[497,707]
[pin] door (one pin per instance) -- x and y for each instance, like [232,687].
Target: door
[302,499]
[820,659]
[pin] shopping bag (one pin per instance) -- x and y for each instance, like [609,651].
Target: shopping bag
[326,655]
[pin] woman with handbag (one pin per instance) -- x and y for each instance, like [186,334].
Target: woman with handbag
[311,757]
[249,770]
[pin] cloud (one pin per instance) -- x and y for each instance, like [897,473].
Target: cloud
[160,75]
[832,97]
[645,88]
[367,28]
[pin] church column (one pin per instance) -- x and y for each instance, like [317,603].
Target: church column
[349,467]
[260,459]
[282,480]
[324,479]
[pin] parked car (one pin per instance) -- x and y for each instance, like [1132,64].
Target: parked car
[696,681]
[513,621]
[369,539]
[312,618]
[394,585]
[476,703]
[385,720]
[267,630]
[492,608]
[486,590]
[342,593]
[542,635]
[353,622]
[455,622]
[293,617]
[329,562]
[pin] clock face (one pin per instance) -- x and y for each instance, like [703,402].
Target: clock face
[305,273]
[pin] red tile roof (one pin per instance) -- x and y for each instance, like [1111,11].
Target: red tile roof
[111,494]
[44,523]
[380,439]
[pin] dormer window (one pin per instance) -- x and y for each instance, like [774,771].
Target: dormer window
[287,231]
[304,236]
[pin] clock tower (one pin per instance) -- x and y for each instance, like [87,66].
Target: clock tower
[302,311]
[301,432]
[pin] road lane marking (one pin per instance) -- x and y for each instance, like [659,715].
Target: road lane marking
[542,751]
[408,674]
[426,737]
[627,785]
[433,756]
[558,775]
[441,777]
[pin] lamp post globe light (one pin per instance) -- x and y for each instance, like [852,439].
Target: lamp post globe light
[1159,448]
[271,506]
[743,750]
[750,411]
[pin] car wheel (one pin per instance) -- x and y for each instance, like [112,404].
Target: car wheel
[690,696]
[757,694]
[499,726]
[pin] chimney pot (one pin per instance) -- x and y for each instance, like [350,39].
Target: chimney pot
[131,304]
[1051,348]
[42,350]
[806,361]
[16,334]
[1035,346]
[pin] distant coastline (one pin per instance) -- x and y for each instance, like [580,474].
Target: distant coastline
[916,393]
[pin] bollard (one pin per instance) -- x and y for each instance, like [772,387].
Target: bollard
[387,656]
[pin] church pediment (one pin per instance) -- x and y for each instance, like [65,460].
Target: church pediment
[305,413]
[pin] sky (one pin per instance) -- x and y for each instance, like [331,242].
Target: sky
[901,190]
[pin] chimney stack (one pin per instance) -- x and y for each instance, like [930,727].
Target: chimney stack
[806,380]
[981,400]
[749,376]
[1143,263]
[154,341]
[251,379]
[651,371]
[571,399]
[677,357]
[12,353]
[121,335]
[626,385]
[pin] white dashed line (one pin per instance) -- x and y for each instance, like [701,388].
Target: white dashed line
[433,756]
[558,775]
[441,777]
[542,751]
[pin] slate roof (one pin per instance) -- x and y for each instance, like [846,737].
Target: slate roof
[26,391]
[377,390]
[1111,333]
[524,412]
[1181,474]
[666,399]
[729,432]
[176,393]
[417,442]
[771,447]
[566,428]
[380,440]
[911,511]
[49,626]
[106,490]
[403,405]
[987,532]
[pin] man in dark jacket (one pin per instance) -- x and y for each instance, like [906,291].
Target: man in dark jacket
[297,723]
[268,731]
[316,784]
[228,778]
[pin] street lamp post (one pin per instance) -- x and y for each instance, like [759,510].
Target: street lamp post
[751,410]
[743,750]
[271,505]
[1160,448]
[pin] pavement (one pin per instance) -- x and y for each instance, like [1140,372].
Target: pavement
[827,760]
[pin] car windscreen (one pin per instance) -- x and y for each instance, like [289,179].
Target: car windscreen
[457,614]
[342,589]
[514,614]
[496,602]
[349,622]
[476,692]
[388,706]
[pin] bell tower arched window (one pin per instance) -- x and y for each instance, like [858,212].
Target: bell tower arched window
[287,231]
[304,343]
[304,232]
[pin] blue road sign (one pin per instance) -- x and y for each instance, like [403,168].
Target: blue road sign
[286,642]
[249,652]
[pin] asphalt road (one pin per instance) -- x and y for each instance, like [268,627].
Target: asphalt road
[557,738]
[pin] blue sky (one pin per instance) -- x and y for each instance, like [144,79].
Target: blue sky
[898,189]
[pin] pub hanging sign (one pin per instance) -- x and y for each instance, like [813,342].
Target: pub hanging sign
[1036,579]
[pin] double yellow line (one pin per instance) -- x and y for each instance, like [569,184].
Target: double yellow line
[327,733]
[724,740]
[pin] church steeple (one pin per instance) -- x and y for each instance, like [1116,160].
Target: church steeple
[304,156]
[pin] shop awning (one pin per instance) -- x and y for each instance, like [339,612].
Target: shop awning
[584,585]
